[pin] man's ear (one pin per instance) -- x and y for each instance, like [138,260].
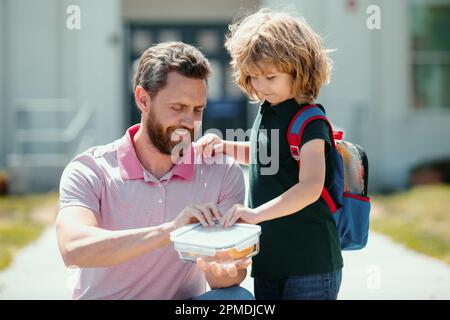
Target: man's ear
[142,98]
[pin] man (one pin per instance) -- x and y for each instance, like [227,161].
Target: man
[119,202]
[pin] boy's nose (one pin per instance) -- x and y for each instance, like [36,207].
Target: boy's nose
[258,88]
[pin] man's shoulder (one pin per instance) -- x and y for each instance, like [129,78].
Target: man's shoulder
[92,156]
[90,165]
[104,150]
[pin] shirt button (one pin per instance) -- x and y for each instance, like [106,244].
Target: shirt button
[160,201]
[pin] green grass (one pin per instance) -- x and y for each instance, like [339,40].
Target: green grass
[18,225]
[14,237]
[418,218]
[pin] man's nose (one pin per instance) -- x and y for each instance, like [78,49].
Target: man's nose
[188,120]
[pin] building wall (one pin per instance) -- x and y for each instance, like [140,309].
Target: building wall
[92,64]
[45,63]
[46,60]
[409,136]
[370,90]
[369,95]
[32,63]
[2,91]
[201,11]
[48,65]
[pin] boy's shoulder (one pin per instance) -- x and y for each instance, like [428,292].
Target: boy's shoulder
[321,107]
[308,110]
[316,127]
[291,108]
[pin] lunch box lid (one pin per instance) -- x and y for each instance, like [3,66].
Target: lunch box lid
[207,240]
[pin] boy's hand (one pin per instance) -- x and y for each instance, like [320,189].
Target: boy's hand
[239,213]
[210,144]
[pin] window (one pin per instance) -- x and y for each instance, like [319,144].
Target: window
[166,35]
[140,41]
[215,83]
[430,29]
[209,41]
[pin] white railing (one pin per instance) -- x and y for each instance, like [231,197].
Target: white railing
[68,141]
[45,136]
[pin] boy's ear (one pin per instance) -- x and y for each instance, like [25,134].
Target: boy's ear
[142,98]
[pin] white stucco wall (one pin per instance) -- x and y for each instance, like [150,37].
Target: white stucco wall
[409,136]
[369,94]
[92,64]
[2,91]
[45,61]
[199,11]
[370,91]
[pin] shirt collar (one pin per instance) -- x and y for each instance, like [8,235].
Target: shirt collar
[185,167]
[286,109]
[131,168]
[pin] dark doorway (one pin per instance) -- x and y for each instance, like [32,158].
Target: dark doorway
[227,106]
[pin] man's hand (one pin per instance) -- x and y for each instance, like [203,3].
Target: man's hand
[240,213]
[218,270]
[204,213]
[219,276]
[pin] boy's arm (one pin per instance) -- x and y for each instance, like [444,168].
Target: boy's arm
[211,144]
[306,191]
[239,150]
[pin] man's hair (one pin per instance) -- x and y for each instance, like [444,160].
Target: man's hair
[157,61]
[285,41]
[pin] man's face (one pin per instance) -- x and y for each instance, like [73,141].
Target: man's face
[175,113]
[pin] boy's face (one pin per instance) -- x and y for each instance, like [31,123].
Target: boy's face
[271,84]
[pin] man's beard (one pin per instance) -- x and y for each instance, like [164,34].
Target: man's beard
[162,139]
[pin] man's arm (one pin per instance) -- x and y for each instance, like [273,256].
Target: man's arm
[82,243]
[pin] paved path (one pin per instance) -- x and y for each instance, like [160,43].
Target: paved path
[37,272]
[387,270]
[383,270]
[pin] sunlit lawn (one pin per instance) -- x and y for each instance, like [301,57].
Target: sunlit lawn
[19,223]
[418,218]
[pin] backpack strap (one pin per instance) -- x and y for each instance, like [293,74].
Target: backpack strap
[294,138]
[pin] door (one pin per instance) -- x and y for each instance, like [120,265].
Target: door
[227,105]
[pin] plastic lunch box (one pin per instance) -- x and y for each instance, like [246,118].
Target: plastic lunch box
[218,244]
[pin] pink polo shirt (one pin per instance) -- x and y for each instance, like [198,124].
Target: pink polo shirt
[111,182]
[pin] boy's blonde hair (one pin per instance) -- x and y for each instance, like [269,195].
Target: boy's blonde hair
[286,42]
